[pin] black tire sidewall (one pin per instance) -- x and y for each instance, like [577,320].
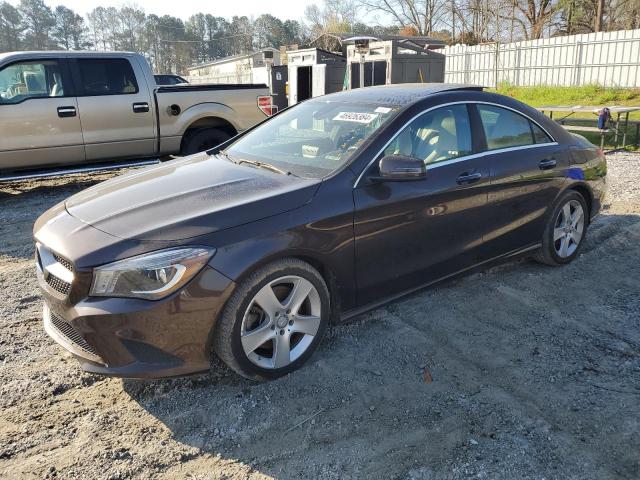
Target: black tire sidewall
[199,136]
[236,344]
[548,243]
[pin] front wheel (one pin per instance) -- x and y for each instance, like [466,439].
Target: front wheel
[565,230]
[274,321]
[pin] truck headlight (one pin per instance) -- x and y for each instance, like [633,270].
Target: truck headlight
[151,276]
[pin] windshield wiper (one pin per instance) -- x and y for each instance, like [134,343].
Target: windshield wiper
[266,166]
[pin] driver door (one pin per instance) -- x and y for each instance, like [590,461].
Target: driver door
[39,121]
[411,233]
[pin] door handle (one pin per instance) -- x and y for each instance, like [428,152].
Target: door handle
[468,177]
[64,112]
[141,107]
[547,163]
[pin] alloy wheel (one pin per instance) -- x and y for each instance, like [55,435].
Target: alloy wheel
[569,229]
[281,322]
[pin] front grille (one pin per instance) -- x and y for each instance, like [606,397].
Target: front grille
[58,285]
[64,262]
[56,270]
[70,333]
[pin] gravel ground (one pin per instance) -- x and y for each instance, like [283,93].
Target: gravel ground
[519,372]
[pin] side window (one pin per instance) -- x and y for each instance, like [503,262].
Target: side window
[539,135]
[438,135]
[106,76]
[504,128]
[30,79]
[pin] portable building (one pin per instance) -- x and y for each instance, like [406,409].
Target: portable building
[394,61]
[314,72]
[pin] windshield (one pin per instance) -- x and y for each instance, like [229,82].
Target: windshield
[314,138]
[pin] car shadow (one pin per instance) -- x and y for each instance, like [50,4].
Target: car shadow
[488,363]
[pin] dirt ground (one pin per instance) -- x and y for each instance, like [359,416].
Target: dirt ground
[535,375]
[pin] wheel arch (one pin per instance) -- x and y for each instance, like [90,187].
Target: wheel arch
[313,259]
[208,122]
[586,193]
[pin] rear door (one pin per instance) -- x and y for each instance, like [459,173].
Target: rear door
[527,173]
[39,122]
[411,233]
[115,107]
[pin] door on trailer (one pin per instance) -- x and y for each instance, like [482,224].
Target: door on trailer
[279,86]
[39,112]
[305,83]
[115,107]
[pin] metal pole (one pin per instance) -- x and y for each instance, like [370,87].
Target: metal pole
[361,70]
[496,63]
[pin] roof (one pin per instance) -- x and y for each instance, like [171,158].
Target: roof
[232,58]
[64,53]
[397,94]
[420,41]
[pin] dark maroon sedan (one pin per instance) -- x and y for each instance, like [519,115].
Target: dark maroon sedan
[334,206]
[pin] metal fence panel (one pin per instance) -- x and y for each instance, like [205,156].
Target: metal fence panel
[610,59]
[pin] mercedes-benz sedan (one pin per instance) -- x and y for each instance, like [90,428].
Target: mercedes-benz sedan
[336,205]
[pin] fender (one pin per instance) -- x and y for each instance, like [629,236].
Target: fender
[176,126]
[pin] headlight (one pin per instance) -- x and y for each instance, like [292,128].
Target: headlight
[150,276]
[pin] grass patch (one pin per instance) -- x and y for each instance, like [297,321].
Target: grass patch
[587,95]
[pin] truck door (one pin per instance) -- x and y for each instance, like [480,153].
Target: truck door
[116,108]
[39,121]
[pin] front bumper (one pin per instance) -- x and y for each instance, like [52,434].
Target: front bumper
[123,337]
[140,338]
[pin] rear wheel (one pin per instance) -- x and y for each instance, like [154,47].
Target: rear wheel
[274,321]
[203,139]
[565,230]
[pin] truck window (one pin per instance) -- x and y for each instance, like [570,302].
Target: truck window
[106,76]
[30,79]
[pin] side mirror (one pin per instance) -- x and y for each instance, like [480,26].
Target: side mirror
[400,168]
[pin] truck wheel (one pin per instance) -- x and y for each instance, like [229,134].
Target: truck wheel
[203,139]
[274,321]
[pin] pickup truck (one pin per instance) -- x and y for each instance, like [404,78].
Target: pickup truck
[76,108]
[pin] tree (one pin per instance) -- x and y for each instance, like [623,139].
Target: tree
[535,15]
[98,27]
[11,28]
[268,31]
[131,21]
[425,16]
[69,29]
[39,22]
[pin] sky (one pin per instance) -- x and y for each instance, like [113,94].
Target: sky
[283,9]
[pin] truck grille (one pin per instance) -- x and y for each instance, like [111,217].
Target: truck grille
[70,333]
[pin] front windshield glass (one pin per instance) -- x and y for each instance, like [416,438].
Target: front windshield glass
[314,138]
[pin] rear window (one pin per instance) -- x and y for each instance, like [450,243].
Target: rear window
[106,76]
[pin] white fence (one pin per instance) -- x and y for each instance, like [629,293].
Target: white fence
[606,58]
[231,78]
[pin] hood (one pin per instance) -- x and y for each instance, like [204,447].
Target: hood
[187,198]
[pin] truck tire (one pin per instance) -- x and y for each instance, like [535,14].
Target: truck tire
[203,139]
[250,333]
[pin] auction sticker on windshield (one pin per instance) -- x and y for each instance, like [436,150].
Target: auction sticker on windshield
[357,117]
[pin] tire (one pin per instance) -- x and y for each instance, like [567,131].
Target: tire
[561,251]
[203,139]
[252,340]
